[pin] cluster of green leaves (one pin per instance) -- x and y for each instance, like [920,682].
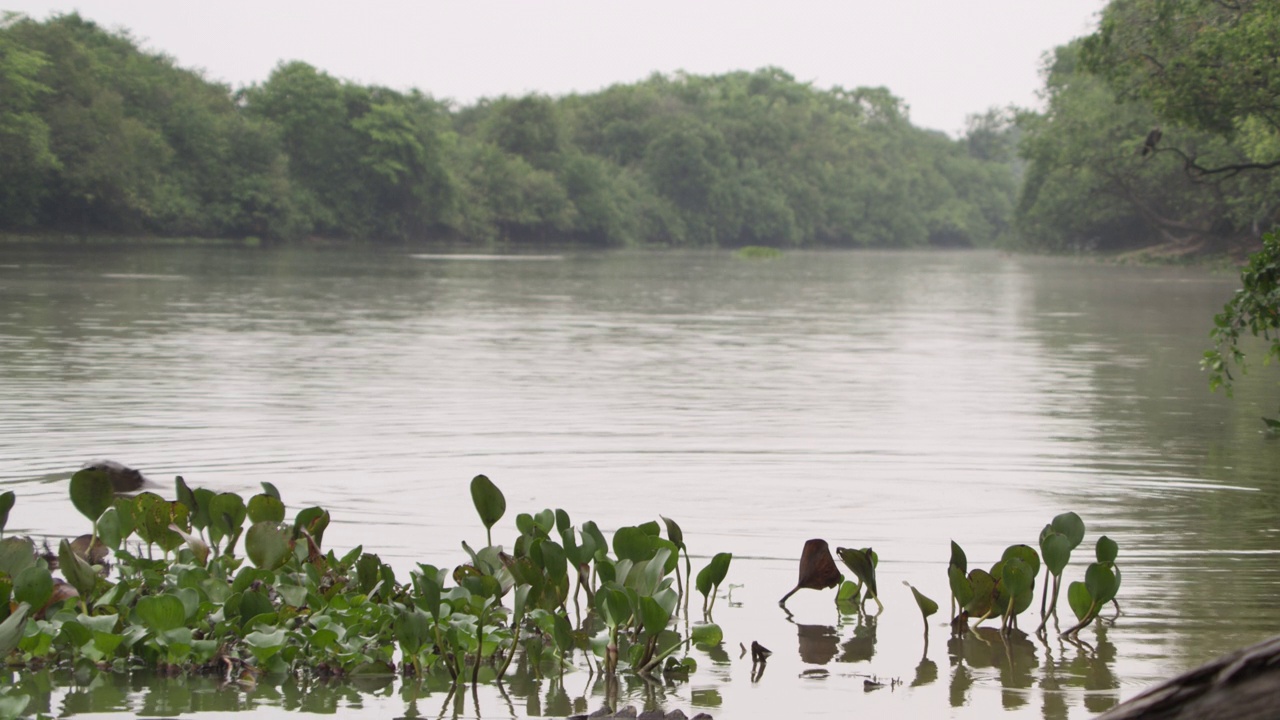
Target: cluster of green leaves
[97,136]
[296,609]
[1008,588]
[1255,310]
[633,593]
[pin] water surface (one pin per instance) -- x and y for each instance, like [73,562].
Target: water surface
[897,400]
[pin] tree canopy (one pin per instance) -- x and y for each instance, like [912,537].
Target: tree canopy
[100,136]
[1162,126]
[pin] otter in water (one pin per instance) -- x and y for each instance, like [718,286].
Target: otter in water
[124,479]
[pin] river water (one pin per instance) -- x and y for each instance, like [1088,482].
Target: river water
[892,400]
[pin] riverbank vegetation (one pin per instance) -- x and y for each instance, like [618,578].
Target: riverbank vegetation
[101,137]
[1161,130]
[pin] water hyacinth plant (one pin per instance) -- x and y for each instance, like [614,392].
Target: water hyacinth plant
[212,583]
[1008,588]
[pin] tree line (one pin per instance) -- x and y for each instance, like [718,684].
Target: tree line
[98,136]
[1162,127]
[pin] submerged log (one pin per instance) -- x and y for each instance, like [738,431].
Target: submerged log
[1243,685]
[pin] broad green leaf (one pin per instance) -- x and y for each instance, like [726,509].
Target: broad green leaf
[1071,525]
[1017,578]
[1056,548]
[612,605]
[706,634]
[551,557]
[1079,599]
[927,606]
[1101,582]
[714,573]
[983,587]
[268,544]
[1107,550]
[16,555]
[263,645]
[92,492]
[33,586]
[265,508]
[634,544]
[489,501]
[269,489]
[654,617]
[412,629]
[161,613]
[1026,554]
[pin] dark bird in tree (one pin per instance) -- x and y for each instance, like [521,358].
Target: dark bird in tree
[1153,137]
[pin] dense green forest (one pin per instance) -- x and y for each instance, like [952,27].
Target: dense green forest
[1161,128]
[100,136]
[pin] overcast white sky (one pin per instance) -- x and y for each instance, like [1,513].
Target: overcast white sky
[945,58]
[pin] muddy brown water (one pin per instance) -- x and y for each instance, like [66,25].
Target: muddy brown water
[897,400]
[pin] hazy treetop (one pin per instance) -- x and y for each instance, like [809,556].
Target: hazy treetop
[946,59]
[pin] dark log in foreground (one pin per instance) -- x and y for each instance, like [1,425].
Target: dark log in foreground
[1243,685]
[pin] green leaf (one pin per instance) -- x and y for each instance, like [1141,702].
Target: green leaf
[264,645]
[314,520]
[1026,554]
[1056,548]
[92,492]
[653,616]
[268,544]
[714,573]
[983,586]
[927,606]
[634,544]
[1101,581]
[16,555]
[674,534]
[12,628]
[1079,599]
[6,504]
[1107,550]
[863,564]
[77,572]
[161,613]
[613,606]
[1071,525]
[413,630]
[958,559]
[269,489]
[488,499]
[33,586]
[265,508]
[706,634]
[186,496]
[960,586]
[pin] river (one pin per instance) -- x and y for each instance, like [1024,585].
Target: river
[894,400]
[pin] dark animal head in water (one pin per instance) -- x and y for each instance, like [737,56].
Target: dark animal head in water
[123,478]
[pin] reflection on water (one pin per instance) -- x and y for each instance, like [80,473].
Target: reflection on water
[898,400]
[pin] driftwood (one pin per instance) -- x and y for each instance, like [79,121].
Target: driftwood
[1243,685]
